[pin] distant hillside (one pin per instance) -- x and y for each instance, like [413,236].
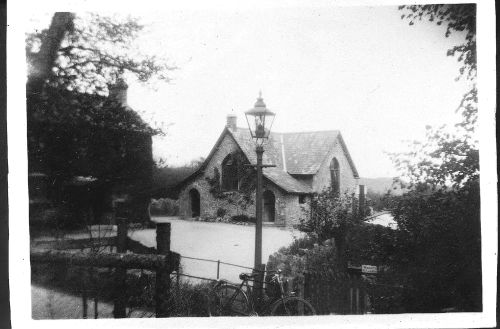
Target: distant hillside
[379,185]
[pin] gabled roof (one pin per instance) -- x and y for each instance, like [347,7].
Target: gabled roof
[291,153]
[296,153]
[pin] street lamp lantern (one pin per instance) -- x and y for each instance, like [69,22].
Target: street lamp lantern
[260,120]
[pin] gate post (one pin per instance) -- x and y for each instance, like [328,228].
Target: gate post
[162,293]
[120,300]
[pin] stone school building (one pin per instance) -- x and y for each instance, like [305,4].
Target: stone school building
[306,163]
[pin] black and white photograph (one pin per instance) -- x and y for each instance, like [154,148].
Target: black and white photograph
[243,164]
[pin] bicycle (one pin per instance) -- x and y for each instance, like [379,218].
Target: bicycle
[233,300]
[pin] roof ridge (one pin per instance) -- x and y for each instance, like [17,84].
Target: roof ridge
[312,131]
[299,132]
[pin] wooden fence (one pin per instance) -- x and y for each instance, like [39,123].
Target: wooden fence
[129,254]
[333,293]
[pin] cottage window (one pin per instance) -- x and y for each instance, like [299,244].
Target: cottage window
[335,175]
[230,168]
[302,199]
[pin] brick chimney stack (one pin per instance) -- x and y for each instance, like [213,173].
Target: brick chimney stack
[231,121]
[118,91]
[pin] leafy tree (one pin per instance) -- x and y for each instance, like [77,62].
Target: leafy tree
[73,128]
[457,18]
[447,156]
[331,216]
[87,52]
[437,247]
[437,250]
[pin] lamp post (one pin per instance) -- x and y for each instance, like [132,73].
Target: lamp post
[260,121]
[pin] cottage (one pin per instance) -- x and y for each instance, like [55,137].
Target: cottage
[305,163]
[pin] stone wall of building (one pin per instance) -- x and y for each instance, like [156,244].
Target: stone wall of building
[348,183]
[287,207]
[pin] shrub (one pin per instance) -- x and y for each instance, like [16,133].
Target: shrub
[305,242]
[164,207]
[186,298]
[221,212]
[243,219]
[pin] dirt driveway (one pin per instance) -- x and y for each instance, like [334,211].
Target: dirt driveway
[219,241]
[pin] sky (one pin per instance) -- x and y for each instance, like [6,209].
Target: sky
[361,70]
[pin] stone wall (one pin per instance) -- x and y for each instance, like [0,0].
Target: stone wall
[322,179]
[287,208]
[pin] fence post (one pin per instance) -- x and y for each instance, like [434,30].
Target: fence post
[84,294]
[357,301]
[162,275]
[350,300]
[300,285]
[218,267]
[120,300]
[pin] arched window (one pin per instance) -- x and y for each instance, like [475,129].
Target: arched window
[335,175]
[230,168]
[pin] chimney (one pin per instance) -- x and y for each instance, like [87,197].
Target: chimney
[118,91]
[231,121]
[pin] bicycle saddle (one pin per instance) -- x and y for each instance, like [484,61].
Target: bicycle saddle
[247,276]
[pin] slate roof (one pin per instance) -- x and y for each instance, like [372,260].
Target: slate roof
[286,181]
[292,154]
[304,152]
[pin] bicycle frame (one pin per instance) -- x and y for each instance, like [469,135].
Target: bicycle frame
[263,305]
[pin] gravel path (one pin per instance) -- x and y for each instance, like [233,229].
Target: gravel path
[218,241]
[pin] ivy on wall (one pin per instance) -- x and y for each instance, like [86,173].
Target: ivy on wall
[247,184]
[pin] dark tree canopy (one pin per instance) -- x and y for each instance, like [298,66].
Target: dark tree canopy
[74,128]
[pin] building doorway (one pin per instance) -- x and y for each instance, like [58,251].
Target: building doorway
[269,206]
[194,197]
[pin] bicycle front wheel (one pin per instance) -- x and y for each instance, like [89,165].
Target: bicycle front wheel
[229,300]
[292,306]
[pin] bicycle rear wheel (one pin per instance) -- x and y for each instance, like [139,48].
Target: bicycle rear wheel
[292,306]
[229,300]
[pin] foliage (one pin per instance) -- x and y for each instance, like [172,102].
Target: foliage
[370,244]
[243,219]
[164,207]
[377,200]
[443,159]
[95,51]
[331,216]
[438,248]
[186,298]
[166,178]
[241,198]
[457,18]
[291,260]
[73,129]
[447,157]
[221,212]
